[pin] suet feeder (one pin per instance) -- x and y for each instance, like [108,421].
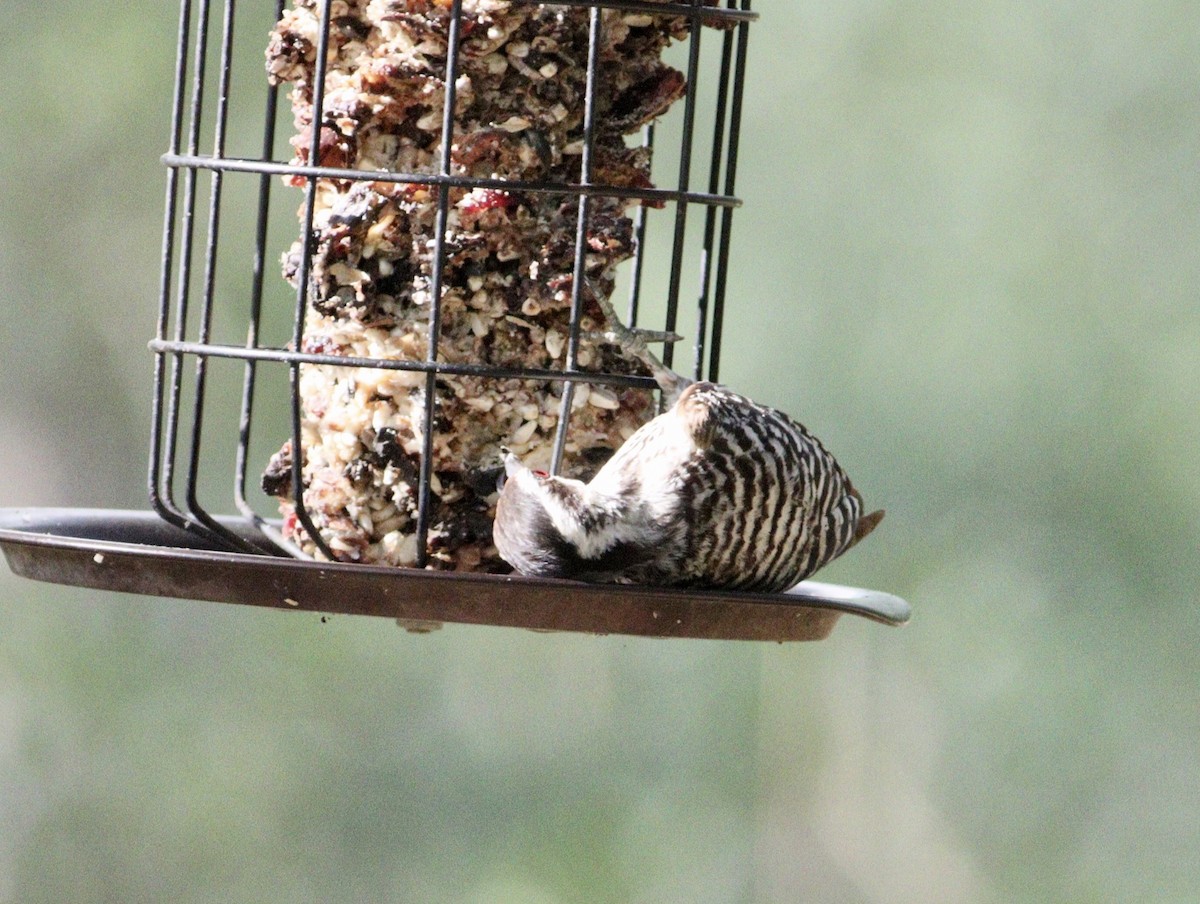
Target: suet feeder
[470,175]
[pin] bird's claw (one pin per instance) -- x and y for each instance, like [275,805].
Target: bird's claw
[633,341]
[633,337]
[665,336]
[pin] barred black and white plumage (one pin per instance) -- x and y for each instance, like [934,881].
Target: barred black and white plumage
[718,491]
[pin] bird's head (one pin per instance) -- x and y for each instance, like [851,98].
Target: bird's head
[529,513]
[557,527]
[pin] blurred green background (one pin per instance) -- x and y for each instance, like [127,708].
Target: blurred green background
[968,260]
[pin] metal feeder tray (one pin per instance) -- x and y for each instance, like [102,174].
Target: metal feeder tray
[138,552]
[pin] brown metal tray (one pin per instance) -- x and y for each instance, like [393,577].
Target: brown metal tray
[138,552]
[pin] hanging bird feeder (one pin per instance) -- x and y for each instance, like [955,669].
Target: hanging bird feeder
[474,186]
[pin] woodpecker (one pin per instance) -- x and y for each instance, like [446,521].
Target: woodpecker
[717,491]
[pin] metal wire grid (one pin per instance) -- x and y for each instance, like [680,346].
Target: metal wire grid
[172,347]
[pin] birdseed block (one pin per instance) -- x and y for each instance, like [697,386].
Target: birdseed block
[509,257]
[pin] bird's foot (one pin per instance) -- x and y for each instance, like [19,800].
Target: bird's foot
[634,343]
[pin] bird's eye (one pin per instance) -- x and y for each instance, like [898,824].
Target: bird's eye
[541,475]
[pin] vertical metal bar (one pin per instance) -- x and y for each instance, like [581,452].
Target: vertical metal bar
[157,500]
[302,287]
[256,297]
[685,166]
[183,289]
[735,127]
[639,232]
[435,288]
[195,509]
[585,178]
[710,213]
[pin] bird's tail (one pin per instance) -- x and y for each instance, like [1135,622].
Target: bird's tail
[866,524]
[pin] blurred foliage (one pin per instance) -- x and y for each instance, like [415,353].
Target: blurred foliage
[966,260]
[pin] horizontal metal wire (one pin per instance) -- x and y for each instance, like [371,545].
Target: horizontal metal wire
[272,167]
[687,10]
[490,371]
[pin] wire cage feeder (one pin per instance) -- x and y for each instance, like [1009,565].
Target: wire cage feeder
[238,349]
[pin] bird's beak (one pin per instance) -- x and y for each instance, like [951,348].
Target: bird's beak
[511,465]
